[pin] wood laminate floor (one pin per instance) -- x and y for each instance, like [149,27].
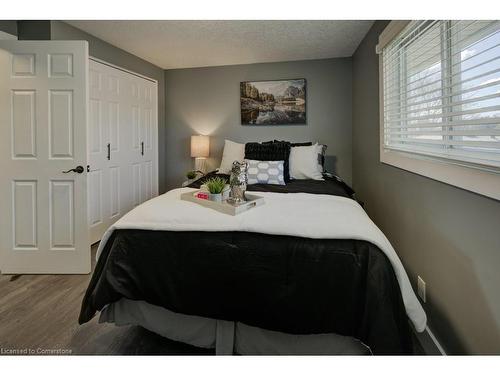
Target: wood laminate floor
[40,313]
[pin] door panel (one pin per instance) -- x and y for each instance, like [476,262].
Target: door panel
[23,124]
[114,186]
[94,78]
[147,180]
[62,220]
[61,122]
[25,214]
[114,126]
[113,84]
[95,133]
[147,128]
[23,64]
[60,65]
[136,183]
[136,127]
[43,122]
[95,198]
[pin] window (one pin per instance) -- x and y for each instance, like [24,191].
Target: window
[440,101]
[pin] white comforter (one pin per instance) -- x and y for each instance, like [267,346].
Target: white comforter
[299,214]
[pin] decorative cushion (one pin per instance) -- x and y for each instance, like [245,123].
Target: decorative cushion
[268,172]
[291,144]
[305,162]
[270,152]
[232,151]
[321,157]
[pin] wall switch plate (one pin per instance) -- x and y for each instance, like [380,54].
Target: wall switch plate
[421,288]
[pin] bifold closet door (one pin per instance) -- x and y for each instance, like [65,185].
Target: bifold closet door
[122,144]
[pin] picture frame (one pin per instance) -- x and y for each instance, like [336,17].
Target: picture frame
[273,102]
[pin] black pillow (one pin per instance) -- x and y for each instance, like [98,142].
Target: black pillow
[270,151]
[291,144]
[301,144]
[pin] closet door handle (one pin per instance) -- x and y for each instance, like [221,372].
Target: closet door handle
[142,148]
[109,151]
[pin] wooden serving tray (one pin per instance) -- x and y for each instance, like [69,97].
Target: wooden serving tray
[225,207]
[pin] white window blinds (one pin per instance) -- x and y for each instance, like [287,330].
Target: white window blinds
[441,91]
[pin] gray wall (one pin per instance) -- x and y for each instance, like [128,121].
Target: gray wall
[33,30]
[449,236]
[27,30]
[206,101]
[117,56]
[9,27]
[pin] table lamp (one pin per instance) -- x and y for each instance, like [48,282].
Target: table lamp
[200,145]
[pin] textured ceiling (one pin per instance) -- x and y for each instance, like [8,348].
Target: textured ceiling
[187,44]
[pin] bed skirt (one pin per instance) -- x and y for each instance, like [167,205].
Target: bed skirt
[226,337]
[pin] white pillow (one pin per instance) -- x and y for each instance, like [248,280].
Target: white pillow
[304,164]
[232,151]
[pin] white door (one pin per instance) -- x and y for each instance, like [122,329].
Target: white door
[43,122]
[122,145]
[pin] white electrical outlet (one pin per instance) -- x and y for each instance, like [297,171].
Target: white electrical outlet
[421,288]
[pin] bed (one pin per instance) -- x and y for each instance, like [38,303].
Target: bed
[305,273]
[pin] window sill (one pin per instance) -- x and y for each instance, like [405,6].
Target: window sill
[475,180]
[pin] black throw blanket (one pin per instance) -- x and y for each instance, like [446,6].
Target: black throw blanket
[282,283]
[331,186]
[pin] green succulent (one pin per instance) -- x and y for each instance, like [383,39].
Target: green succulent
[215,185]
[191,174]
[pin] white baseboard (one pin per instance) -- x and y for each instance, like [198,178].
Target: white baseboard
[435,341]
[428,341]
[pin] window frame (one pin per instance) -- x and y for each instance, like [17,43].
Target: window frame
[475,178]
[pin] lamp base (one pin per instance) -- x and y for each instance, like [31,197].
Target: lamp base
[200,164]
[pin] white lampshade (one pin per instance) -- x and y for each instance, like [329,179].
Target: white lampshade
[200,145]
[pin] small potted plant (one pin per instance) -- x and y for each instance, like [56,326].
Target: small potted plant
[215,186]
[191,177]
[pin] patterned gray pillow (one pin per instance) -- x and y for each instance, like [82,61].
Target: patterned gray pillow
[265,172]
